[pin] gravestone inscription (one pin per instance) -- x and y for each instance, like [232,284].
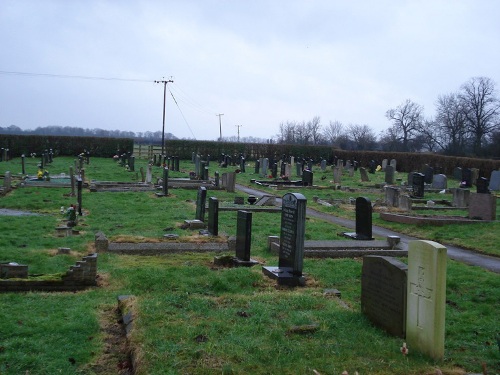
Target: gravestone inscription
[291,254]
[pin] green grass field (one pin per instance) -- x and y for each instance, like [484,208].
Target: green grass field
[194,318]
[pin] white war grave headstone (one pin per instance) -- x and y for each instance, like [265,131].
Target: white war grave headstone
[426,298]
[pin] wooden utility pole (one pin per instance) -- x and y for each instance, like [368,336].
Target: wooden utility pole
[163,128]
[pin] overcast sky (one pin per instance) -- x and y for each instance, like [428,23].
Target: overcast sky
[259,63]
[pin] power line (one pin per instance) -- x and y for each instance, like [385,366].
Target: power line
[182,114]
[48,75]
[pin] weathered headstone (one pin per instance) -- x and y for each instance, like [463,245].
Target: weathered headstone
[457,173]
[391,195]
[230,181]
[337,175]
[7,181]
[405,202]
[323,165]
[244,239]
[213,216]
[372,166]
[383,293]
[439,181]
[461,197]
[149,174]
[264,164]
[494,181]
[389,175]
[364,175]
[482,206]
[291,254]
[384,164]
[201,200]
[426,294]
[393,164]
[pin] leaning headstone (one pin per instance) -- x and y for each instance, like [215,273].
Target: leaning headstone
[482,206]
[418,185]
[439,181]
[244,240]
[364,175]
[383,293]
[201,201]
[389,175]
[363,220]
[213,216]
[494,181]
[426,293]
[291,254]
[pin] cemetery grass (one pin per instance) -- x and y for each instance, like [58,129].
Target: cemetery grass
[193,317]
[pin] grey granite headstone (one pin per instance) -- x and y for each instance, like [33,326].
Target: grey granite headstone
[389,175]
[337,175]
[384,164]
[495,181]
[364,175]
[391,195]
[383,293]
[439,181]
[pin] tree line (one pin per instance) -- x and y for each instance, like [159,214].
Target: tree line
[466,123]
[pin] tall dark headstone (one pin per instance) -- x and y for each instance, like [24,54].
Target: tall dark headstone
[363,220]
[428,174]
[23,164]
[257,166]
[291,254]
[418,185]
[244,239]
[372,166]
[482,184]
[79,184]
[274,170]
[201,201]
[213,216]
[164,186]
[466,178]
[383,293]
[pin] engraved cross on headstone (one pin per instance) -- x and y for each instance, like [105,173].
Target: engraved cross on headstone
[422,292]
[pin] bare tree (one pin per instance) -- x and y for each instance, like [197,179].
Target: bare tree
[362,136]
[333,131]
[449,130]
[287,133]
[406,122]
[313,128]
[481,108]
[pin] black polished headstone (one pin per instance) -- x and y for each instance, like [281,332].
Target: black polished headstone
[307,178]
[418,185]
[482,184]
[466,177]
[201,200]
[257,166]
[243,235]
[213,216]
[291,254]
[428,174]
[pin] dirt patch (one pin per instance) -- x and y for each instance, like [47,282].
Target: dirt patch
[115,355]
